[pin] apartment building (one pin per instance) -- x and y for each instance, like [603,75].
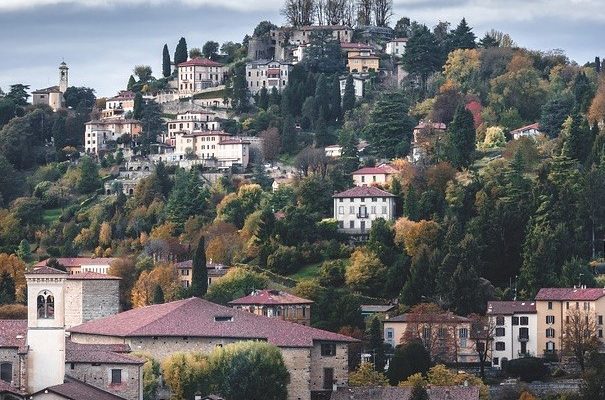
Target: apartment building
[355,209]
[198,74]
[267,74]
[102,135]
[216,148]
[188,122]
[371,176]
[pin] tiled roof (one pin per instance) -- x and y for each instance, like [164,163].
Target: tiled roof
[233,141]
[206,133]
[92,276]
[52,89]
[364,191]
[324,27]
[385,169]
[44,270]
[13,333]
[528,127]
[421,318]
[113,121]
[73,389]
[115,348]
[373,308]
[405,393]
[82,354]
[270,297]
[200,62]
[511,307]
[6,387]
[123,95]
[355,46]
[573,294]
[195,317]
[79,261]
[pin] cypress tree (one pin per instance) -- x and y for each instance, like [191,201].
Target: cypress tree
[7,288]
[131,83]
[348,100]
[462,138]
[263,98]
[597,64]
[376,345]
[322,97]
[166,70]
[58,134]
[335,100]
[199,273]
[288,134]
[275,97]
[158,295]
[180,53]
[137,111]
[410,207]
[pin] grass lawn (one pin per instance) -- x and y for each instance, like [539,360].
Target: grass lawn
[307,272]
[52,215]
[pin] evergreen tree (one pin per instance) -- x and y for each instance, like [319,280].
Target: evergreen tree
[376,344]
[597,64]
[88,179]
[410,205]
[163,179]
[422,55]
[579,140]
[462,37]
[555,112]
[408,359]
[322,134]
[348,100]
[58,134]
[137,110]
[166,69]
[583,92]
[322,99]
[237,88]
[263,98]
[158,295]
[131,83]
[335,100]
[199,273]
[180,53]
[349,157]
[7,288]
[187,198]
[288,135]
[488,41]
[274,97]
[419,393]
[462,138]
[24,252]
[419,283]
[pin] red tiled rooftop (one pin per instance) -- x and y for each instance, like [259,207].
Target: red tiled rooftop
[6,387]
[434,125]
[573,294]
[270,297]
[13,333]
[524,128]
[511,307]
[73,389]
[91,356]
[364,191]
[196,317]
[44,270]
[79,261]
[355,46]
[92,276]
[200,62]
[441,318]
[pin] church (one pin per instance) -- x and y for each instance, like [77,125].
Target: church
[53,96]
[76,344]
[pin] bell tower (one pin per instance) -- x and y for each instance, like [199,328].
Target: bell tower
[45,328]
[63,77]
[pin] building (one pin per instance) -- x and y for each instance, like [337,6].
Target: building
[104,135]
[362,61]
[514,326]
[405,393]
[396,47]
[267,74]
[214,148]
[333,151]
[427,137]
[280,182]
[276,304]
[532,131]
[371,176]
[316,359]
[286,39]
[215,272]
[448,337]
[370,310]
[355,209]
[129,177]
[355,49]
[359,81]
[90,295]
[53,96]
[189,122]
[553,308]
[118,105]
[77,265]
[198,74]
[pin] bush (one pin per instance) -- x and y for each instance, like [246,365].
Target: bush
[408,360]
[527,369]
[13,311]
[284,260]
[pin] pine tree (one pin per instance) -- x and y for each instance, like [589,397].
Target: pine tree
[180,53]
[58,134]
[163,179]
[462,37]
[166,69]
[578,142]
[263,98]
[131,83]
[419,282]
[24,252]
[199,273]
[348,100]
[137,111]
[335,100]
[158,295]
[410,205]
[275,97]
[376,344]
[462,138]
[322,98]
[288,135]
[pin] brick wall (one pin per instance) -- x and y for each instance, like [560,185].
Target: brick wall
[100,376]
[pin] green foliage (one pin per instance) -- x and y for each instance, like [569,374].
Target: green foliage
[462,37]
[422,55]
[376,344]
[199,272]
[348,99]
[407,360]
[166,67]
[210,50]
[323,54]
[462,138]
[180,53]
[188,198]
[528,369]
[7,288]
[237,88]
[284,260]
[88,179]
[555,112]
[158,295]
[238,282]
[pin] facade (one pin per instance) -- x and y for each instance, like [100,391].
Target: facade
[53,96]
[198,74]
[216,148]
[189,122]
[267,74]
[119,105]
[355,209]
[333,151]
[371,176]
[448,337]
[363,62]
[358,84]
[427,137]
[396,47]
[553,308]
[90,295]
[276,304]
[215,272]
[286,40]
[514,325]
[102,135]
[316,359]
[77,265]
[532,131]
[370,310]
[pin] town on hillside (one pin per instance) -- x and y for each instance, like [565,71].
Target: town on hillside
[347,204]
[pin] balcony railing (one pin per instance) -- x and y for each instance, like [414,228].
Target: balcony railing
[523,338]
[362,215]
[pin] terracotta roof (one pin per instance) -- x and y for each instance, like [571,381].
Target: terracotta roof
[115,348]
[92,276]
[52,89]
[79,261]
[405,393]
[13,333]
[113,121]
[195,317]
[200,62]
[438,318]
[206,133]
[44,270]
[96,354]
[270,297]
[562,294]
[511,307]
[364,191]
[386,169]
[325,27]
[123,95]
[6,387]
[525,128]
[355,46]
[73,389]
[360,57]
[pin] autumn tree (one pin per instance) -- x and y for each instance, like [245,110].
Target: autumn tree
[271,143]
[413,234]
[580,334]
[596,113]
[366,375]
[165,276]
[237,282]
[185,374]
[366,273]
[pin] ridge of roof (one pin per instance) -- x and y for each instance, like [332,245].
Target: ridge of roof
[364,191]
[268,296]
[45,270]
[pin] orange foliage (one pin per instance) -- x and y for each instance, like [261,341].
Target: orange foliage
[439,175]
[414,234]
[596,113]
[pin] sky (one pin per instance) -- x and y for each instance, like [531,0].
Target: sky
[102,40]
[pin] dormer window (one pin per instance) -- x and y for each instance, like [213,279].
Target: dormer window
[46,305]
[223,318]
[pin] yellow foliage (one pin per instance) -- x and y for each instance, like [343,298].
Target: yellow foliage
[520,61]
[366,375]
[525,395]
[225,249]
[181,370]
[366,271]
[165,276]
[164,231]
[414,234]
[105,234]
[461,67]
[596,113]
[15,267]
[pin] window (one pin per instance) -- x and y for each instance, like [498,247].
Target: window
[46,305]
[550,346]
[441,333]
[351,224]
[426,332]
[524,333]
[600,333]
[496,361]
[524,321]
[6,372]
[351,209]
[463,335]
[373,210]
[500,346]
[390,333]
[384,209]
[499,320]
[600,320]
[586,306]
[341,210]
[328,349]
[550,319]
[116,376]
[567,305]
[550,305]
[515,321]
[500,332]
[550,333]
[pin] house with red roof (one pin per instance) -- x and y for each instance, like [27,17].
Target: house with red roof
[215,272]
[76,265]
[198,74]
[372,176]
[213,148]
[268,74]
[355,209]
[276,304]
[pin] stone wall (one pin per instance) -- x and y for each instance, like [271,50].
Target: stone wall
[339,362]
[10,355]
[101,298]
[73,303]
[298,362]
[100,376]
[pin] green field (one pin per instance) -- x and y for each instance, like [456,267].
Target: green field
[307,272]
[51,216]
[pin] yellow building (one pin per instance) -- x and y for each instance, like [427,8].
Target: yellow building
[215,272]
[362,61]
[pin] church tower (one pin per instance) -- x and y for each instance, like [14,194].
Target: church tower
[63,77]
[45,328]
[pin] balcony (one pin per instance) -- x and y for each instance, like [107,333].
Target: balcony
[523,338]
[363,215]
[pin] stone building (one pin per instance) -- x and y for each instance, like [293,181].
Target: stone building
[286,40]
[215,272]
[276,304]
[316,359]
[89,296]
[78,265]
[53,96]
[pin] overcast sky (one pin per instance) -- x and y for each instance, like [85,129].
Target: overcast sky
[101,40]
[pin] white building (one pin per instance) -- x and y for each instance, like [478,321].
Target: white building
[371,176]
[287,40]
[103,134]
[355,209]
[198,74]
[53,96]
[358,83]
[188,122]
[215,148]
[396,47]
[333,151]
[268,74]
[515,329]
[118,105]
[532,130]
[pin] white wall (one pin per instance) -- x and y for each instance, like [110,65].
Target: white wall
[346,212]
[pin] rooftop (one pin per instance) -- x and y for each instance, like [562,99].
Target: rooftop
[44,270]
[383,169]
[439,318]
[73,389]
[13,333]
[195,317]
[511,307]
[79,261]
[52,89]
[355,46]
[433,125]
[573,294]
[270,297]
[373,308]
[200,62]
[364,191]
[114,121]
[535,125]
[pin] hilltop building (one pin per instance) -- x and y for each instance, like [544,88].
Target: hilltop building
[106,134]
[276,304]
[53,96]
[215,272]
[514,329]
[198,74]
[267,74]
[118,106]
[285,40]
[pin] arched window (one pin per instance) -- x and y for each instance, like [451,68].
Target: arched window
[46,305]
[6,372]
